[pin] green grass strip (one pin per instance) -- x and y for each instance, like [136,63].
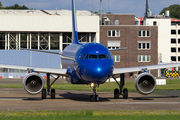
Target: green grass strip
[91,114]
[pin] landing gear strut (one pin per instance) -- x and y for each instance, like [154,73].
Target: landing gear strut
[52,92]
[94,97]
[120,91]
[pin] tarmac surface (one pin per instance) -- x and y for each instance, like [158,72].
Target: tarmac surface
[18,99]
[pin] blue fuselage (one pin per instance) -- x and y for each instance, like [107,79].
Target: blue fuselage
[93,63]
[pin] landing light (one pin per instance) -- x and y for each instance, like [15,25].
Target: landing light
[92,84]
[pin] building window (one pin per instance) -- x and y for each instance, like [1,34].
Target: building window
[173,41]
[13,71]
[154,23]
[144,58]
[116,58]
[113,33]
[144,33]
[173,23]
[109,33]
[178,58]
[173,58]
[54,41]
[139,33]
[2,41]
[116,22]
[178,31]
[113,44]
[173,49]
[144,45]
[34,41]
[178,49]
[173,32]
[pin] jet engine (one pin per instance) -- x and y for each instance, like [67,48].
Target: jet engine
[145,83]
[33,83]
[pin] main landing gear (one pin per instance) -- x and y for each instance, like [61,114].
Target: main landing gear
[120,91]
[94,97]
[52,92]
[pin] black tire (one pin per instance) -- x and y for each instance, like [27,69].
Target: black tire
[44,94]
[125,93]
[96,98]
[116,93]
[53,93]
[91,98]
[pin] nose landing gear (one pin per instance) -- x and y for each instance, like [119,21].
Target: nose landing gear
[94,97]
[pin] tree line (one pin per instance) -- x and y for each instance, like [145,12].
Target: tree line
[15,6]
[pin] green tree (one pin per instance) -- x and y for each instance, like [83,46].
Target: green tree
[174,11]
[1,6]
[108,13]
[17,7]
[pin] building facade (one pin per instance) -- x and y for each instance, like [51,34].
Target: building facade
[141,42]
[168,39]
[45,30]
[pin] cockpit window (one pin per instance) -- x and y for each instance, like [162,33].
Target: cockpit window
[93,56]
[83,56]
[86,56]
[102,56]
[108,56]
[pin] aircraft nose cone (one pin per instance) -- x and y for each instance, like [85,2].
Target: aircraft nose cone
[99,71]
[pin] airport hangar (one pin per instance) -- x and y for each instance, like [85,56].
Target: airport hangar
[51,30]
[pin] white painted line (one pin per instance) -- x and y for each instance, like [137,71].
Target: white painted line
[10,99]
[139,103]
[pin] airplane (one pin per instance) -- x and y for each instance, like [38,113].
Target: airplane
[87,63]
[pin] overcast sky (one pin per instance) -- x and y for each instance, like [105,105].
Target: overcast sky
[136,7]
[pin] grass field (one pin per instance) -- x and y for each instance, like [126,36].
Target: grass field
[171,84]
[90,115]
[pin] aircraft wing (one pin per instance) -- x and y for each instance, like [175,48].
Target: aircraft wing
[44,51]
[56,71]
[139,68]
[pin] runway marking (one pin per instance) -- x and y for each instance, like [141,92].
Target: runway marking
[10,99]
[138,103]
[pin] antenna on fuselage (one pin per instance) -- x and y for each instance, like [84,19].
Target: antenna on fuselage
[74,25]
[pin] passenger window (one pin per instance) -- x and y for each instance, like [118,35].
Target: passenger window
[86,56]
[108,56]
[93,56]
[102,56]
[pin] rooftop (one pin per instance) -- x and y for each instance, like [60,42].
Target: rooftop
[172,19]
[45,12]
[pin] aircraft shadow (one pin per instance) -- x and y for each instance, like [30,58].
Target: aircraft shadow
[151,98]
[19,98]
[32,99]
[80,97]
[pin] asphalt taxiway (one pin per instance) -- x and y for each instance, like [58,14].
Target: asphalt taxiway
[18,99]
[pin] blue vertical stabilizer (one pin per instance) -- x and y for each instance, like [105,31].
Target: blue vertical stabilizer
[74,24]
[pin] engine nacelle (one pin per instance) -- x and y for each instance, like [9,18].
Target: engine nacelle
[145,83]
[33,83]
